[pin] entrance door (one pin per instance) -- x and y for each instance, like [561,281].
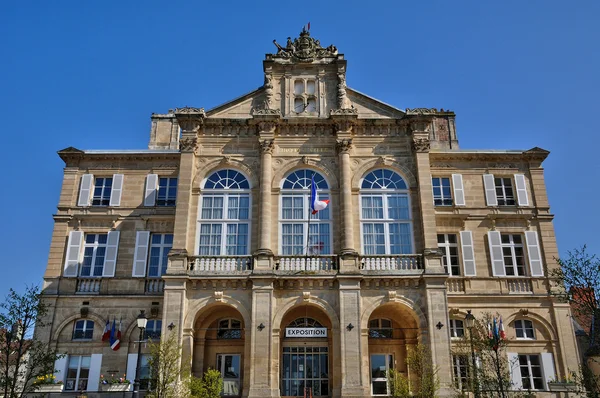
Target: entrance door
[305,367]
[229,366]
[380,365]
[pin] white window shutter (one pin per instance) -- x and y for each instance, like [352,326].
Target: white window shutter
[117,189]
[496,253]
[73,253]
[85,189]
[534,254]
[140,256]
[522,197]
[468,253]
[490,190]
[60,368]
[515,371]
[94,375]
[548,366]
[110,260]
[131,368]
[151,187]
[459,191]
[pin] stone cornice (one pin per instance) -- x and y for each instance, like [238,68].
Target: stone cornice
[73,156]
[534,154]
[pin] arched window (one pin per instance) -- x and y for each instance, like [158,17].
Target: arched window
[380,329]
[524,329]
[229,329]
[386,220]
[153,329]
[301,231]
[83,330]
[305,322]
[224,219]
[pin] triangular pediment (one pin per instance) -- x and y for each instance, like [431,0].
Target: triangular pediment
[371,108]
[239,108]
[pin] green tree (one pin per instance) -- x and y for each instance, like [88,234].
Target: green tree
[22,357]
[426,382]
[399,384]
[209,386]
[169,376]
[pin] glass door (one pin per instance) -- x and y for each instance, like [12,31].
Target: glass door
[380,365]
[229,366]
[305,369]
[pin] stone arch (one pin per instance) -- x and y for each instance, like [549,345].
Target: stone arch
[97,318]
[535,317]
[373,164]
[415,311]
[208,303]
[310,164]
[203,170]
[314,301]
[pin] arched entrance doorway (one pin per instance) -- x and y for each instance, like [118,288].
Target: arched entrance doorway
[219,343]
[393,330]
[306,353]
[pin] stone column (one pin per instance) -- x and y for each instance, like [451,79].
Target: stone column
[262,384]
[344,146]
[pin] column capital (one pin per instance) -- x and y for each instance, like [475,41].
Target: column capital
[267,145]
[190,119]
[343,145]
[421,145]
[188,144]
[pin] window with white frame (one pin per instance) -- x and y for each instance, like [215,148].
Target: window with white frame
[513,254]
[524,329]
[301,231]
[448,243]
[531,372]
[224,222]
[504,191]
[460,371]
[78,371]
[102,190]
[94,253]
[167,191]
[457,329]
[153,329]
[160,245]
[380,329]
[145,372]
[229,329]
[83,330]
[386,220]
[305,99]
[380,367]
[442,192]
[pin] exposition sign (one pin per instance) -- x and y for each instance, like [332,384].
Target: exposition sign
[305,332]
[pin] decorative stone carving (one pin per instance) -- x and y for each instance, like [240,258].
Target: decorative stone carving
[306,296]
[524,311]
[383,161]
[218,296]
[392,295]
[189,110]
[344,125]
[343,146]
[269,92]
[267,146]
[348,111]
[433,251]
[266,112]
[190,119]
[267,126]
[421,111]
[421,145]
[188,144]
[305,159]
[304,49]
[343,102]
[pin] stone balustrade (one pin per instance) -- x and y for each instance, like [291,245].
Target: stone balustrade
[401,262]
[219,264]
[317,264]
[88,285]
[154,286]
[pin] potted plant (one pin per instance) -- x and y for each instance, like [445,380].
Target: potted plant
[564,384]
[48,383]
[113,383]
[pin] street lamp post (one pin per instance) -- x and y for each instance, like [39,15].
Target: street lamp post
[141,324]
[470,323]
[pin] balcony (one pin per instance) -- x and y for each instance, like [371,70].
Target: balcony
[394,264]
[305,264]
[88,285]
[206,265]
[496,285]
[154,286]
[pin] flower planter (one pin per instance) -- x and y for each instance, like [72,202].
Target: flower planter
[562,387]
[118,387]
[50,388]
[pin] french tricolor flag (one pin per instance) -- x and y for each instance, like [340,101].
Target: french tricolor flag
[315,204]
[106,333]
[115,336]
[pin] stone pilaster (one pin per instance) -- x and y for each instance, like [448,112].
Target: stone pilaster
[262,384]
[174,307]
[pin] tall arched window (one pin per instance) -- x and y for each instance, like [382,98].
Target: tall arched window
[297,238]
[224,219]
[385,219]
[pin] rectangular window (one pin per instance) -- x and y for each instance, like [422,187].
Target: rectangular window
[305,100]
[294,227]
[504,191]
[167,191]
[94,253]
[457,329]
[442,193]
[153,329]
[380,365]
[229,366]
[460,370]
[531,372]
[102,190]
[513,254]
[78,372]
[524,329]
[386,224]
[145,372]
[448,243]
[83,330]
[160,245]
[228,232]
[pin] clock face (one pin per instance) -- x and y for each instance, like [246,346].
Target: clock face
[311,105]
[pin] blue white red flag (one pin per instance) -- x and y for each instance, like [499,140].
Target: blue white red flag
[502,332]
[115,336]
[315,204]
[106,333]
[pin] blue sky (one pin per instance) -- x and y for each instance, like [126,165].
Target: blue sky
[518,74]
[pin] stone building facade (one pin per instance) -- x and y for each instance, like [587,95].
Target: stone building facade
[210,231]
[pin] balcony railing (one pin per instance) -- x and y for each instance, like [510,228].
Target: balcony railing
[402,262]
[305,264]
[155,286]
[494,285]
[519,286]
[455,285]
[220,264]
[88,285]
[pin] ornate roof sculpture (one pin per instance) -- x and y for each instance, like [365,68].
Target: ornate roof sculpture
[304,49]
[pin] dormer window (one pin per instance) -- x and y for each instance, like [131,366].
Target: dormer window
[305,99]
